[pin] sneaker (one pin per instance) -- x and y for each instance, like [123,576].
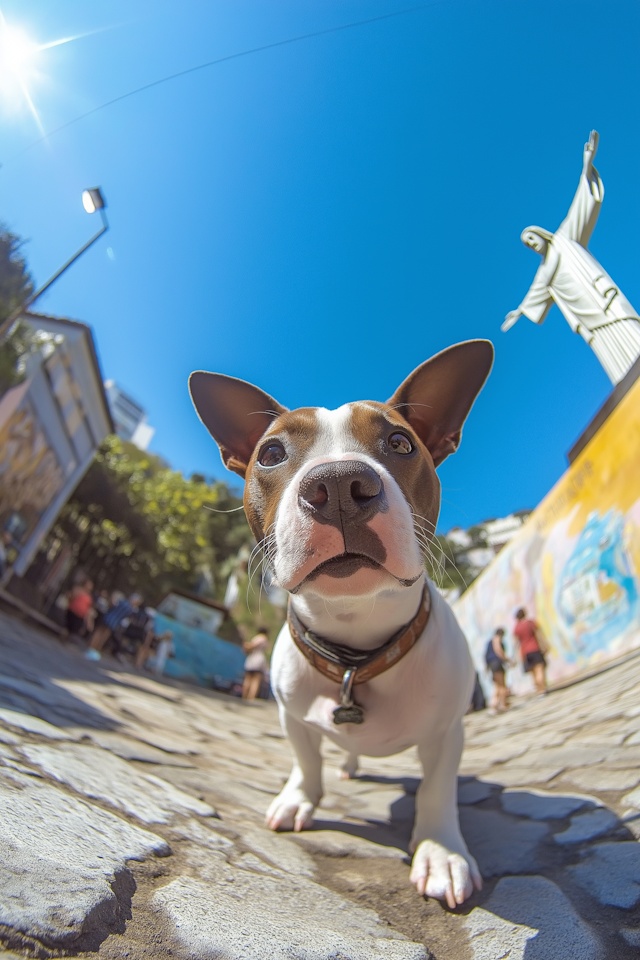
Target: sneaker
[92,654]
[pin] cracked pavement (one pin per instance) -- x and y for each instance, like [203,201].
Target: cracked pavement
[131,825]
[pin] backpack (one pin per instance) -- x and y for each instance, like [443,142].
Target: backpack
[490,654]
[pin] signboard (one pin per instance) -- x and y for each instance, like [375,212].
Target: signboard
[575,565]
[191,613]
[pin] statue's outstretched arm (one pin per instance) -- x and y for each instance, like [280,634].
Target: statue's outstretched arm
[585,208]
[589,152]
[538,301]
[512,317]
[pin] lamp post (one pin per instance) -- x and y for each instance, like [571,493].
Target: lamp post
[92,200]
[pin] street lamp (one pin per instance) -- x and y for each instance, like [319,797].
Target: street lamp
[92,200]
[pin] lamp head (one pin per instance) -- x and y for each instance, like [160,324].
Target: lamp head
[93,200]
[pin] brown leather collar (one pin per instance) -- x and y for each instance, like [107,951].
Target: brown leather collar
[333,660]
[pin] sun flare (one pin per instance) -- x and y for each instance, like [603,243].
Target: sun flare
[18,67]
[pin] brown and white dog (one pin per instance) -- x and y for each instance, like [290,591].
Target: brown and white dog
[344,502]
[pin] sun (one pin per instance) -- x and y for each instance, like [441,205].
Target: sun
[15,49]
[18,67]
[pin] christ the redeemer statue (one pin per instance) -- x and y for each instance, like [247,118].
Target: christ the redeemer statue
[570,276]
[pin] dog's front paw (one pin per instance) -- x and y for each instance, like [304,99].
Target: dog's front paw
[291,810]
[444,875]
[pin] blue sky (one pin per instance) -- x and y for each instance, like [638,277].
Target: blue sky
[321,217]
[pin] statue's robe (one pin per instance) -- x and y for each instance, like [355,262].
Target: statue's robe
[590,301]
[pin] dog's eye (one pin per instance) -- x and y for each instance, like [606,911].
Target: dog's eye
[400,444]
[272,454]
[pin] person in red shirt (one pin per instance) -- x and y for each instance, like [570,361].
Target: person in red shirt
[80,612]
[532,649]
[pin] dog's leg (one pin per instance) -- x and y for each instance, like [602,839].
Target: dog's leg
[349,767]
[442,866]
[293,808]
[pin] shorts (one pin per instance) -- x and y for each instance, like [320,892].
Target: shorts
[496,667]
[532,660]
[75,624]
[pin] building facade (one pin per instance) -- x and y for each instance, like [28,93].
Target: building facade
[51,424]
[129,418]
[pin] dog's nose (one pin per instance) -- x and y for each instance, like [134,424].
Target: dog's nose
[342,491]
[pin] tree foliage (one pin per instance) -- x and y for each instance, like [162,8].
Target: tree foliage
[16,285]
[138,525]
[451,564]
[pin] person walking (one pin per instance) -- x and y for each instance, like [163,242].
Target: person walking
[255,666]
[496,659]
[112,620]
[532,649]
[80,610]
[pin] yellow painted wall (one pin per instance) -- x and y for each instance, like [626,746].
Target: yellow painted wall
[575,564]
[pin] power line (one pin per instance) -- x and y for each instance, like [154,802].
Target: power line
[230,56]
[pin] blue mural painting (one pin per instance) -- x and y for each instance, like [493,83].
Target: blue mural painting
[597,593]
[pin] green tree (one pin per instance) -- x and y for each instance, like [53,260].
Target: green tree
[15,346]
[138,525]
[448,562]
[16,284]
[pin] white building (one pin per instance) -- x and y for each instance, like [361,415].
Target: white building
[129,417]
[51,424]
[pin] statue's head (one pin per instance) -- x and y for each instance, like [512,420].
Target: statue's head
[536,238]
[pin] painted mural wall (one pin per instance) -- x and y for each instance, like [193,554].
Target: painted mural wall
[575,565]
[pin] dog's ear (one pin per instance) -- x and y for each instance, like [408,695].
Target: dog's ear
[436,398]
[235,413]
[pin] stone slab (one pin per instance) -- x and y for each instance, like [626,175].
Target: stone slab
[610,872]
[501,844]
[633,799]
[541,804]
[63,877]
[24,721]
[545,924]
[170,743]
[254,916]
[631,935]
[133,749]
[588,826]
[99,774]
[568,755]
[520,776]
[631,820]
[491,937]
[603,778]
[190,829]
[474,791]
[7,737]
[335,843]
[278,849]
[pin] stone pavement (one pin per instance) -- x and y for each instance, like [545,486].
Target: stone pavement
[131,826]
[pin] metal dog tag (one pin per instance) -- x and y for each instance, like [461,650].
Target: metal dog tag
[348,711]
[352,714]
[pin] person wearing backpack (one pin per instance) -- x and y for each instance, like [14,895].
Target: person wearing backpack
[496,660]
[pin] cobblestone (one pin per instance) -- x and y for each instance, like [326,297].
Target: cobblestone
[92,755]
